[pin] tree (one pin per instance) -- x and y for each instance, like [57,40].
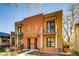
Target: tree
[34,7]
[70,19]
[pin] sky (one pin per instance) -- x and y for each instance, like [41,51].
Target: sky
[9,14]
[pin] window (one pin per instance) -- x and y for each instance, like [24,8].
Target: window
[51,26]
[4,41]
[50,42]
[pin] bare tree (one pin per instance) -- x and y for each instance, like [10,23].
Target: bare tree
[34,7]
[70,20]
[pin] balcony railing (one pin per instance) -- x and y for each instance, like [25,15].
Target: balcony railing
[20,34]
[44,32]
[5,43]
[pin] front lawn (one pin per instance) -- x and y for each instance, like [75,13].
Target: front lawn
[38,53]
[3,52]
[8,54]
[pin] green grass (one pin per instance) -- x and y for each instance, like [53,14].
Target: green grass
[10,54]
[3,52]
[38,53]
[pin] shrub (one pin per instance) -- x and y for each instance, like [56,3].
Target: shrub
[2,50]
[75,52]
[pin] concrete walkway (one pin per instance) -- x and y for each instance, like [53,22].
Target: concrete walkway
[22,54]
[26,53]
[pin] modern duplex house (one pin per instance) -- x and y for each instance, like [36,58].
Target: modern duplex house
[42,32]
[4,40]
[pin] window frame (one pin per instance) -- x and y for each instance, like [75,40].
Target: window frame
[50,27]
[49,44]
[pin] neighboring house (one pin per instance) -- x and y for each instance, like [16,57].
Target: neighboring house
[12,38]
[42,32]
[4,39]
[74,41]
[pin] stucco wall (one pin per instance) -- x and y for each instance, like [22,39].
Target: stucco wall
[57,17]
[5,43]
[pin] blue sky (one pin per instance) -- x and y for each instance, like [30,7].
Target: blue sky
[9,14]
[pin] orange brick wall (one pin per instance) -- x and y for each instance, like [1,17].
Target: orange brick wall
[33,31]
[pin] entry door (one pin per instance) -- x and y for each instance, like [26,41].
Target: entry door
[28,44]
[36,43]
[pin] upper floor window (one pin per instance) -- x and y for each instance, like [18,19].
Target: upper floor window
[51,26]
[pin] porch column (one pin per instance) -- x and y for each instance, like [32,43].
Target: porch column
[56,36]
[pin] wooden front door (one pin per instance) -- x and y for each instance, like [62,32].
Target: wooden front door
[28,43]
[35,40]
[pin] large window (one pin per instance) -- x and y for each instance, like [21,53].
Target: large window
[50,26]
[50,42]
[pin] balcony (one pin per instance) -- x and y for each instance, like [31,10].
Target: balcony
[48,33]
[6,43]
[20,34]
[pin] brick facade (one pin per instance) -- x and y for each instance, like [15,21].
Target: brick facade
[34,32]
